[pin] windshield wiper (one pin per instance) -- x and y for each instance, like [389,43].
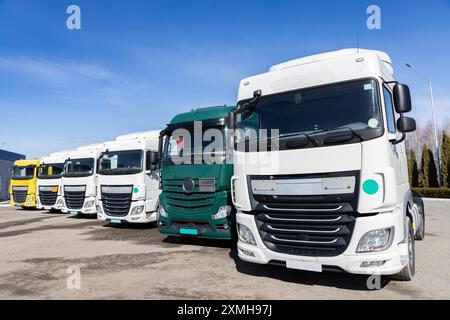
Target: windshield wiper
[341,137]
[119,171]
[290,135]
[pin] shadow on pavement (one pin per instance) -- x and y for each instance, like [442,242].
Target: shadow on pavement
[132,226]
[215,243]
[326,279]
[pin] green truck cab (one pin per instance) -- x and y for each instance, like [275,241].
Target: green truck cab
[196,192]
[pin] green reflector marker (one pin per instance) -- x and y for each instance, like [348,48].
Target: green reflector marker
[191,232]
[370,187]
[136,190]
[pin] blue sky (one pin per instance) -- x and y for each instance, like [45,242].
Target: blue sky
[135,64]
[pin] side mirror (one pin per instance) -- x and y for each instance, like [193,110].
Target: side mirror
[152,160]
[406,124]
[230,120]
[402,98]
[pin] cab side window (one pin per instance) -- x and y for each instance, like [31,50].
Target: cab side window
[390,116]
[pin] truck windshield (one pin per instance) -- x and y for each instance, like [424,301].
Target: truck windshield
[213,143]
[120,162]
[352,106]
[50,171]
[79,167]
[22,173]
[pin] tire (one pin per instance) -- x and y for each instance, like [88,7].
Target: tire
[420,234]
[410,269]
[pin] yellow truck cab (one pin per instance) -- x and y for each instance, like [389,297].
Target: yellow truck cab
[22,189]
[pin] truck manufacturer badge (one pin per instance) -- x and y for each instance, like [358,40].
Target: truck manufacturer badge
[188,185]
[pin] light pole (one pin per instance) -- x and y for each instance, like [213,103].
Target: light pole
[434,121]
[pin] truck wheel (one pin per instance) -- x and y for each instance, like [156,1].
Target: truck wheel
[410,269]
[420,234]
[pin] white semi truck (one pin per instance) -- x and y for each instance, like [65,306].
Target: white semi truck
[128,179]
[49,181]
[328,189]
[79,180]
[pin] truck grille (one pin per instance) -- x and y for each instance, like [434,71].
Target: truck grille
[306,232]
[74,196]
[195,201]
[20,194]
[47,198]
[117,203]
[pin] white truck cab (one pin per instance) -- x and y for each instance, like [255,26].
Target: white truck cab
[79,180]
[49,180]
[330,190]
[128,179]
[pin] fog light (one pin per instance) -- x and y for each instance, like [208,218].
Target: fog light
[368,264]
[248,253]
[245,235]
[89,203]
[162,212]
[30,199]
[223,212]
[376,240]
[60,203]
[137,210]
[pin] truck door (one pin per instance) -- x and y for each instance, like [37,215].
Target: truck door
[152,178]
[397,154]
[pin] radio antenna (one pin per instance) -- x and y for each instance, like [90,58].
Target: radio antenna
[357,42]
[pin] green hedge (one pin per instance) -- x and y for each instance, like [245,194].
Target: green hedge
[431,192]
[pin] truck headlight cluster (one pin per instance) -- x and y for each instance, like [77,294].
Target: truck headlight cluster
[30,199]
[245,235]
[137,210]
[162,212]
[223,212]
[376,240]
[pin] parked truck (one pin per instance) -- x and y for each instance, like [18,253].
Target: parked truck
[22,188]
[195,199]
[128,179]
[79,180]
[335,193]
[49,181]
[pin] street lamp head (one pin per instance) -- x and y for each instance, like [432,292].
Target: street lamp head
[408,65]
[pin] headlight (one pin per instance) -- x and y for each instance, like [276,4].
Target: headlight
[89,204]
[223,212]
[30,199]
[137,210]
[60,203]
[376,240]
[245,235]
[162,212]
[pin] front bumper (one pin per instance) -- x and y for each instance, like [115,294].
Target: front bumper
[395,257]
[143,217]
[84,210]
[201,224]
[56,206]
[27,204]
[210,229]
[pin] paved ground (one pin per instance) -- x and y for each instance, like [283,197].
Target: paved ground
[37,247]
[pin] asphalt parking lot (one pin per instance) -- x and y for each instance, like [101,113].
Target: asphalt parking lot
[38,248]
